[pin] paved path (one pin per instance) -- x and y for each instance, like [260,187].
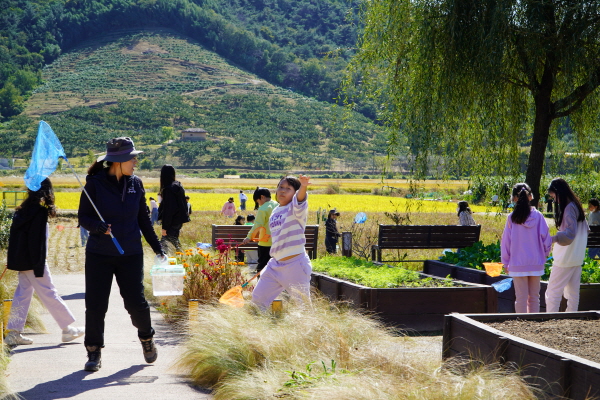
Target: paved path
[49,369]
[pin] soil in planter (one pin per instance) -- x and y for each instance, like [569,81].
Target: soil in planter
[574,336]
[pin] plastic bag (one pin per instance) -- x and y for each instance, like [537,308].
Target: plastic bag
[502,285]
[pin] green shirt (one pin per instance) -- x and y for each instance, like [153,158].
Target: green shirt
[262,220]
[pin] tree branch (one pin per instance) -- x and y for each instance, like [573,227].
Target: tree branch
[574,100]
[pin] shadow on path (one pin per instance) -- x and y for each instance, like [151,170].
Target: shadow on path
[75,383]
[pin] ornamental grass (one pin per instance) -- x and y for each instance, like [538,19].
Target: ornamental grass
[324,350]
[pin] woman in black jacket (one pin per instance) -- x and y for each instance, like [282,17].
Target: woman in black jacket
[120,198]
[27,250]
[173,209]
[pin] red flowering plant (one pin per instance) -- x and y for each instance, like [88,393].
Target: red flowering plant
[210,274]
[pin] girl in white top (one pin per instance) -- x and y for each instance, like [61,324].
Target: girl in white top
[289,268]
[465,216]
[569,247]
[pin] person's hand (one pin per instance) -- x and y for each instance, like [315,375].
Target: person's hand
[164,232]
[103,228]
[304,180]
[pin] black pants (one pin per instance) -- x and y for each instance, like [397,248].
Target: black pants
[172,238]
[129,272]
[331,245]
[263,257]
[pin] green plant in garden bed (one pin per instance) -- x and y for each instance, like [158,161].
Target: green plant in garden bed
[474,256]
[374,275]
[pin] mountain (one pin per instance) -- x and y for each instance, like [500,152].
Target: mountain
[151,84]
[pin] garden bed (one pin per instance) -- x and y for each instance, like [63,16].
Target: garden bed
[414,308]
[555,372]
[589,293]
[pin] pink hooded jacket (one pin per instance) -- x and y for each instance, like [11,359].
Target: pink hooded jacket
[525,247]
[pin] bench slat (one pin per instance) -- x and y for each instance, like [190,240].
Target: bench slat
[235,234]
[425,237]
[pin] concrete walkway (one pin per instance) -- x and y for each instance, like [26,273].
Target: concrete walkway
[49,369]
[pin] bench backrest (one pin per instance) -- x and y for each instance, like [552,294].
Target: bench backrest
[427,236]
[234,234]
[594,236]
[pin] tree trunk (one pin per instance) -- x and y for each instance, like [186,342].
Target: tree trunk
[539,141]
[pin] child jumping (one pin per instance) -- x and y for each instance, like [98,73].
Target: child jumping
[526,243]
[289,268]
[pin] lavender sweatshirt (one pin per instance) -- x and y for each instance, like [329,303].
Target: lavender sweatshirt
[525,247]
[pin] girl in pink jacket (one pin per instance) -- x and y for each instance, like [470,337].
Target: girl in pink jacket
[526,243]
[228,209]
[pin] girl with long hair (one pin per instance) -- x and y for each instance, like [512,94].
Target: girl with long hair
[173,209]
[569,247]
[525,246]
[465,216]
[27,253]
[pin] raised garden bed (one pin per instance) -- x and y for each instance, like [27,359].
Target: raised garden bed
[414,308]
[589,293]
[554,372]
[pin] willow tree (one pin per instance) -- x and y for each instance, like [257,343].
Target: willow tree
[478,80]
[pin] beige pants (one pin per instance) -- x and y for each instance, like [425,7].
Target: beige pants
[563,281]
[527,293]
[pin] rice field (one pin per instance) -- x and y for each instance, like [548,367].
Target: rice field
[343,202]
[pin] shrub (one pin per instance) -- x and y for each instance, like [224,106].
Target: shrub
[474,256]
[5,222]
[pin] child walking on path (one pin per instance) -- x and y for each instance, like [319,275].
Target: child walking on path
[526,243]
[594,219]
[569,247]
[27,253]
[289,268]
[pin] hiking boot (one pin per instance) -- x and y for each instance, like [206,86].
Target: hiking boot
[72,333]
[94,360]
[14,338]
[150,353]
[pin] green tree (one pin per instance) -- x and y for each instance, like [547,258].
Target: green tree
[168,133]
[476,79]
[11,101]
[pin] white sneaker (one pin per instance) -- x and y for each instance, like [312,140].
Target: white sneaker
[72,333]
[15,338]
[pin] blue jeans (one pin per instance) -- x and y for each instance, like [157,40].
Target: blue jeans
[154,216]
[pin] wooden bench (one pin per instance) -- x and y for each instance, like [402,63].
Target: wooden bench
[424,237]
[234,234]
[594,236]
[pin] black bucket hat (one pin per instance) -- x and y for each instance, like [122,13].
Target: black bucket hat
[120,149]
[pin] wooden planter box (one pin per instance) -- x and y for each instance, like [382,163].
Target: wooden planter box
[555,372]
[420,309]
[589,293]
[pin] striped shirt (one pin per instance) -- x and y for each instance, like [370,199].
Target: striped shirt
[287,224]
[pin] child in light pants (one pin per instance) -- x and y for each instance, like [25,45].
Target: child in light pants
[27,253]
[526,243]
[289,268]
[569,247]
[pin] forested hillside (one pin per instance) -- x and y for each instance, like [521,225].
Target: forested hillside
[286,42]
[151,84]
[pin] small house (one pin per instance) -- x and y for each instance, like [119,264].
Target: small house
[193,135]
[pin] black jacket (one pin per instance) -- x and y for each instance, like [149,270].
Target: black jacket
[173,209]
[123,206]
[331,230]
[27,241]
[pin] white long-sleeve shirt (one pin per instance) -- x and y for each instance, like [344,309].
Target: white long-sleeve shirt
[571,240]
[287,225]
